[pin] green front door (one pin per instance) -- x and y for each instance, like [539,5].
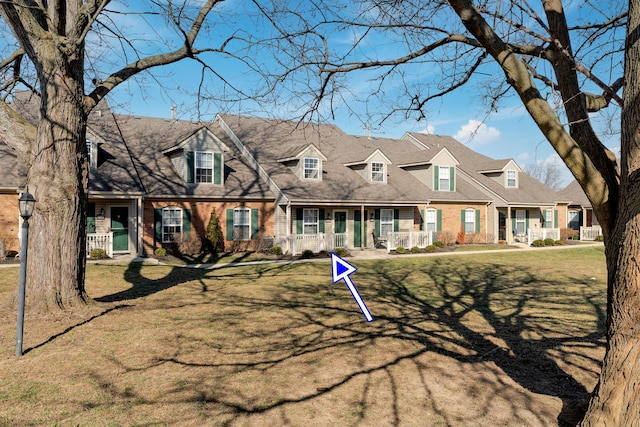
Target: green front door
[340,222]
[357,228]
[120,228]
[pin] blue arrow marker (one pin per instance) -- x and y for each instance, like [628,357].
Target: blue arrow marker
[340,270]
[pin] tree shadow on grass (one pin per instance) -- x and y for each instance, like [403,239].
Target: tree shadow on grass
[524,321]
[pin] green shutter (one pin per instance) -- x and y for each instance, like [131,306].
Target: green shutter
[229,224]
[436,178]
[477,220]
[555,218]
[255,225]
[320,220]
[513,222]
[157,219]
[376,216]
[217,168]
[452,176]
[299,218]
[462,217]
[190,166]
[422,216]
[357,231]
[396,220]
[186,222]
[91,218]
[439,219]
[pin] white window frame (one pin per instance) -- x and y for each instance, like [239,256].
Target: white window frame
[310,221]
[201,165]
[447,178]
[511,179]
[311,171]
[431,220]
[470,221]
[521,219]
[242,223]
[548,218]
[571,215]
[386,222]
[172,225]
[90,154]
[377,172]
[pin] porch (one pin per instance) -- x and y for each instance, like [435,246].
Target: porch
[590,233]
[298,243]
[542,233]
[100,241]
[408,239]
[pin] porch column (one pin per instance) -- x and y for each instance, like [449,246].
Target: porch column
[140,224]
[507,227]
[363,237]
[288,228]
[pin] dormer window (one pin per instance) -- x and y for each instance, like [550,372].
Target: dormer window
[203,167]
[311,168]
[512,179]
[377,172]
[444,178]
[91,155]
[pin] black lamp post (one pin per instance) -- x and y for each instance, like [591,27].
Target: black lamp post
[26,204]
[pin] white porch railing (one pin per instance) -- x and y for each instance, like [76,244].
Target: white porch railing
[408,239]
[542,233]
[590,233]
[299,243]
[100,241]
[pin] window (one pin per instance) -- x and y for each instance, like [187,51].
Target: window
[512,179]
[521,222]
[574,220]
[171,225]
[242,224]
[90,154]
[386,222]
[310,221]
[548,218]
[469,221]
[430,220]
[444,183]
[311,168]
[204,166]
[377,172]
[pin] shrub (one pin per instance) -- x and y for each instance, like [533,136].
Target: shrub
[190,245]
[341,252]
[599,238]
[549,241]
[401,250]
[430,248]
[559,242]
[214,234]
[275,250]
[415,250]
[447,237]
[438,244]
[307,253]
[538,243]
[323,254]
[98,253]
[502,242]
[160,252]
[461,237]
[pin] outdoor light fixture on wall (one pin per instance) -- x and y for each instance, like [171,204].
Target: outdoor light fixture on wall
[26,205]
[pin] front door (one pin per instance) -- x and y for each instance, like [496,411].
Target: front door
[120,228]
[339,222]
[357,229]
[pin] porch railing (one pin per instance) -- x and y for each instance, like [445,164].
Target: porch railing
[590,233]
[542,233]
[408,239]
[100,241]
[299,243]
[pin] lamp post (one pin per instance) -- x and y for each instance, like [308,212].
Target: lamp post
[26,203]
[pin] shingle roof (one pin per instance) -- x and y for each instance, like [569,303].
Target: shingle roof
[147,137]
[575,194]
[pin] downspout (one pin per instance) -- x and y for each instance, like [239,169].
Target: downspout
[486,222]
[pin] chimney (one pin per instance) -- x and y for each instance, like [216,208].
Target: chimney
[173,112]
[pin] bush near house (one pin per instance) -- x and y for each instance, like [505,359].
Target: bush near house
[275,250]
[415,250]
[549,242]
[341,252]
[400,250]
[98,253]
[160,252]
[430,248]
[537,243]
[438,244]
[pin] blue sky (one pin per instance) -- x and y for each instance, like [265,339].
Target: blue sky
[506,133]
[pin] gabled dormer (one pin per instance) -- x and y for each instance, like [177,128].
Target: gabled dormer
[506,173]
[374,168]
[93,142]
[438,172]
[306,164]
[199,158]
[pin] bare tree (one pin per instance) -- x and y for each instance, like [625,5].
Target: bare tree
[545,172]
[72,54]
[565,67]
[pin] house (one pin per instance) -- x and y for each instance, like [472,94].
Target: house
[156,182]
[580,216]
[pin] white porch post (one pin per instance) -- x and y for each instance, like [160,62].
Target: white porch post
[288,228]
[507,227]
[363,236]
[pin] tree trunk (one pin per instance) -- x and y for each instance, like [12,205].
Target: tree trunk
[58,179]
[616,399]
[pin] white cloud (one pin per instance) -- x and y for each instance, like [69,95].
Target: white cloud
[429,130]
[477,133]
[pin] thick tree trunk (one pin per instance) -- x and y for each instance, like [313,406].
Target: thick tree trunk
[616,399]
[58,178]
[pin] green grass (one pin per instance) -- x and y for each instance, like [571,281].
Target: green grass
[492,339]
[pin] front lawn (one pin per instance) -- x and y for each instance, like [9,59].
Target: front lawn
[493,339]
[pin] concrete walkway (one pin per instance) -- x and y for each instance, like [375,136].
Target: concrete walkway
[355,255]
